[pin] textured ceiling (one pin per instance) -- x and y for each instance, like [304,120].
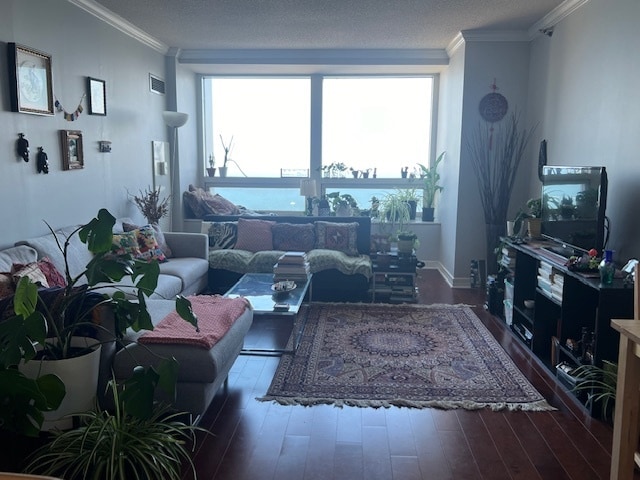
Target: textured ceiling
[323,24]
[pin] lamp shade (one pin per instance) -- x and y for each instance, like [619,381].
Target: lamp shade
[175,119]
[308,188]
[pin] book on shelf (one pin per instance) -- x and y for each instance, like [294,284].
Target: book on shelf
[293,258]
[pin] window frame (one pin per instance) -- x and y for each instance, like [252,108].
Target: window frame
[315,154]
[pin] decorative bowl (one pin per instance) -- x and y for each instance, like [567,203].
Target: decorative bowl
[282,287]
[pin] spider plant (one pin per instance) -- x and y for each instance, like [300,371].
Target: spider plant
[600,384]
[119,444]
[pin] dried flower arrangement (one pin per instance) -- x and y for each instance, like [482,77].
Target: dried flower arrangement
[150,204]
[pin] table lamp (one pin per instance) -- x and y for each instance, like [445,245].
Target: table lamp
[309,189]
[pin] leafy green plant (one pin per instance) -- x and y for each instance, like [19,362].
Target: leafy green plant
[70,313]
[533,209]
[344,199]
[394,213]
[600,384]
[431,178]
[120,444]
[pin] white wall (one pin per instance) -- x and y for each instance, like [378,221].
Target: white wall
[80,46]
[584,90]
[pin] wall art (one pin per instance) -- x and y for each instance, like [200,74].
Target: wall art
[31,83]
[72,151]
[97,91]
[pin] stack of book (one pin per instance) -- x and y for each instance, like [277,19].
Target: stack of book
[508,258]
[291,266]
[545,277]
[557,285]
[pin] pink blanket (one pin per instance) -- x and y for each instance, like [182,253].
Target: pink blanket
[215,315]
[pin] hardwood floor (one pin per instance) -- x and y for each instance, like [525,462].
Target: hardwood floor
[259,440]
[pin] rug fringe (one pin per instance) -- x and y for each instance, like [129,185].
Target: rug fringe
[538,406]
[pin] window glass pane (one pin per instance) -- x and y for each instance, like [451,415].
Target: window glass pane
[377,122]
[269,121]
[264,199]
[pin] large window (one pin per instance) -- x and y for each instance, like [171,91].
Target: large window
[376,123]
[368,128]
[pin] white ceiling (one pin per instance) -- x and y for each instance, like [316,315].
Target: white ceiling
[325,24]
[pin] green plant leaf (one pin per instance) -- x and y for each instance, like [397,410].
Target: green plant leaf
[98,233]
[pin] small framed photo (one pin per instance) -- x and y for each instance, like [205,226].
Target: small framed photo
[97,93]
[31,83]
[72,151]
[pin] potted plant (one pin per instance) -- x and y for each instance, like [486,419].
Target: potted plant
[334,170]
[227,150]
[343,205]
[410,195]
[46,323]
[600,384]
[151,206]
[430,177]
[407,241]
[211,169]
[120,443]
[394,213]
[532,214]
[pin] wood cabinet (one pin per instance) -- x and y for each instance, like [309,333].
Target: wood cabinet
[569,323]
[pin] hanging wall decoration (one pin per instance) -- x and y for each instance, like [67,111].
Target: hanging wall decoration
[43,164]
[71,117]
[30,80]
[493,107]
[97,96]
[22,147]
[72,151]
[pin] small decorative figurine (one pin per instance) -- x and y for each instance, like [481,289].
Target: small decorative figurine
[43,164]
[22,147]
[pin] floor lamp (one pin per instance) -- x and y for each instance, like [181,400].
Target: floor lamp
[175,120]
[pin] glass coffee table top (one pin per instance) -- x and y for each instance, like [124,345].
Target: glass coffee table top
[256,287]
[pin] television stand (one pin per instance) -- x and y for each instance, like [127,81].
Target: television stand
[561,250]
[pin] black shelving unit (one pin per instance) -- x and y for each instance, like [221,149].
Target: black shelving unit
[579,304]
[394,281]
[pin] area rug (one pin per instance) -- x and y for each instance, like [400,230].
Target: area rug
[404,355]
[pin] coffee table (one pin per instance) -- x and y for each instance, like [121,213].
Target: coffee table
[256,287]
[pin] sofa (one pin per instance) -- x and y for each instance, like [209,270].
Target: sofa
[337,251]
[201,371]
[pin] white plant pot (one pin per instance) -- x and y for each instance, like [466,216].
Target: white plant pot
[223,171]
[80,377]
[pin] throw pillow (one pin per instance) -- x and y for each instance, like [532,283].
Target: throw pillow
[222,235]
[125,243]
[204,203]
[7,287]
[46,266]
[162,242]
[32,271]
[254,235]
[148,245]
[337,236]
[292,237]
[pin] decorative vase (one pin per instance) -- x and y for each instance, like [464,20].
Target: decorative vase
[211,171]
[405,246]
[427,214]
[80,378]
[412,209]
[535,227]
[606,268]
[223,172]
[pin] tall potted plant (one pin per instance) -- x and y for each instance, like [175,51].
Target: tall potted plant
[431,179]
[45,323]
[495,154]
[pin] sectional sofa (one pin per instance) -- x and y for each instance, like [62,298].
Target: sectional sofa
[337,250]
[201,371]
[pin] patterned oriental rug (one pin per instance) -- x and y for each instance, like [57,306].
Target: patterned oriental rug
[404,355]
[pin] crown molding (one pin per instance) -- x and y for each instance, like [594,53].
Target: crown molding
[315,56]
[552,18]
[120,23]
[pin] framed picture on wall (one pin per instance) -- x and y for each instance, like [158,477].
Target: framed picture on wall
[72,151]
[30,80]
[97,93]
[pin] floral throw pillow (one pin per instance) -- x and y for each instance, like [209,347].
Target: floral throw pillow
[125,243]
[148,245]
[337,236]
[162,242]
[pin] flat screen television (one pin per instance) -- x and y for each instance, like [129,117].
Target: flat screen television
[574,200]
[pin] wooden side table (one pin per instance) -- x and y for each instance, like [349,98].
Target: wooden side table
[626,426]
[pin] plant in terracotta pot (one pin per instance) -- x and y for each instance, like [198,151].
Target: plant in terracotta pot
[47,325]
[532,213]
[431,187]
